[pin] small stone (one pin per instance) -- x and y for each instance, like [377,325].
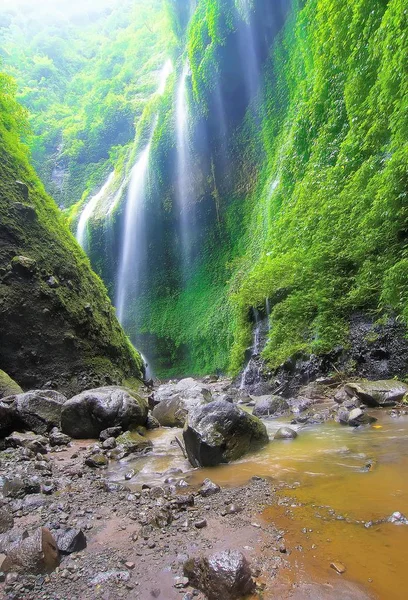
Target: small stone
[209,488]
[200,524]
[130,565]
[338,567]
[96,461]
[282,549]
[180,582]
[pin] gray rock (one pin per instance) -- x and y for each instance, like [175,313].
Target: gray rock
[8,419]
[111,432]
[89,413]
[20,486]
[152,423]
[39,410]
[225,575]
[270,406]
[108,576]
[285,433]
[174,401]
[70,540]
[220,432]
[377,393]
[109,444]
[355,417]
[96,461]
[209,488]
[57,438]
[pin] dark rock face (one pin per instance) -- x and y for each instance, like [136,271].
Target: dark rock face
[8,386]
[225,575]
[374,351]
[8,418]
[35,554]
[39,410]
[220,432]
[270,406]
[89,413]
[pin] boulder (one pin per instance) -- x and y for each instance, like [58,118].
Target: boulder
[131,442]
[270,406]
[89,413]
[285,433]
[225,575]
[220,432]
[39,410]
[378,393]
[57,438]
[35,554]
[8,387]
[174,401]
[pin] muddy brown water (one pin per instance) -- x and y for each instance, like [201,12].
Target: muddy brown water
[330,482]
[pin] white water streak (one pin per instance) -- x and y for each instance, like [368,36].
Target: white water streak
[90,207]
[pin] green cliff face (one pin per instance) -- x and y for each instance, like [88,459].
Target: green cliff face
[57,326]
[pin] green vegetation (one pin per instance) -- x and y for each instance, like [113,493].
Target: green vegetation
[311,210]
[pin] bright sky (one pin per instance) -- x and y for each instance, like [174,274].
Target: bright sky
[66,6]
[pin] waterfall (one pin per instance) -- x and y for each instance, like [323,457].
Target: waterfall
[90,207]
[183,165]
[134,241]
[254,348]
[248,50]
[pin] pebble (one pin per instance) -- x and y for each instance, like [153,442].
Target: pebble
[338,567]
[200,524]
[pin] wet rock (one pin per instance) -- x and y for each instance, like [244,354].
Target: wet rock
[285,433]
[132,442]
[69,540]
[220,432]
[8,387]
[225,575]
[6,519]
[87,414]
[110,432]
[398,518]
[270,406]
[31,441]
[188,389]
[173,412]
[377,393]
[57,438]
[39,410]
[19,486]
[338,567]
[355,417]
[109,444]
[152,423]
[35,554]
[209,488]
[96,461]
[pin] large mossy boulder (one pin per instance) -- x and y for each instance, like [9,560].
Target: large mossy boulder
[220,432]
[377,393]
[87,414]
[58,328]
[39,410]
[8,386]
[270,406]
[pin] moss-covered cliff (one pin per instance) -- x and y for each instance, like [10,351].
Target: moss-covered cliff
[57,326]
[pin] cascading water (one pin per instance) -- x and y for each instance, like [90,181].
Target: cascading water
[248,52]
[133,255]
[183,166]
[90,207]
[134,241]
[254,349]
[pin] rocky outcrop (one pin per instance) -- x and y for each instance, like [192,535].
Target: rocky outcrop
[8,387]
[225,575]
[270,406]
[89,413]
[58,328]
[220,432]
[377,393]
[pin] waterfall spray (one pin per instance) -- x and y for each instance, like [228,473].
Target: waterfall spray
[90,207]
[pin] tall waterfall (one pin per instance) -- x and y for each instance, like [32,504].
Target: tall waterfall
[90,207]
[183,166]
[248,50]
[133,255]
[134,241]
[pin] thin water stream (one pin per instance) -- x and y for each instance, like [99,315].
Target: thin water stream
[330,482]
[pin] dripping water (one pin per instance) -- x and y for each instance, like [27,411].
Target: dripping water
[90,207]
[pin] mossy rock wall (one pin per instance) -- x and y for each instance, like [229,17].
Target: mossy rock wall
[57,326]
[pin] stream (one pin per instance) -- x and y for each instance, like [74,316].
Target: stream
[330,483]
